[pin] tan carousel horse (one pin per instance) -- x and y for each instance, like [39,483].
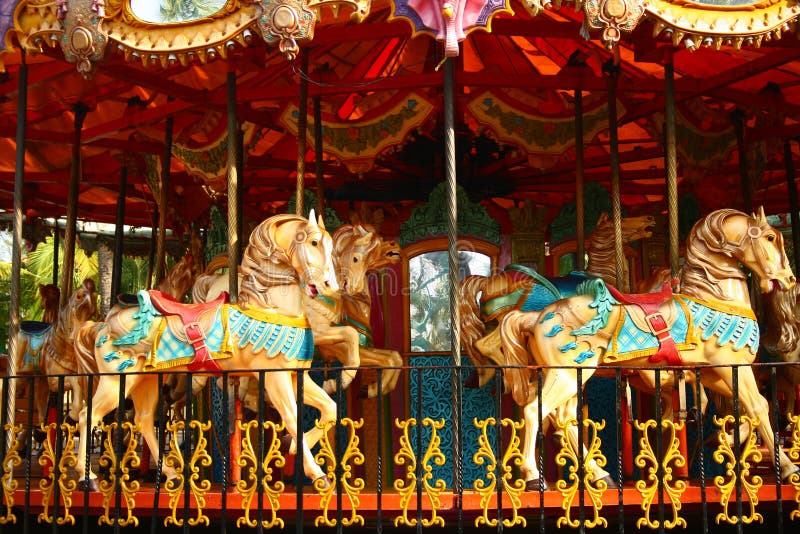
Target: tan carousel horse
[711,324]
[341,323]
[46,350]
[520,288]
[287,256]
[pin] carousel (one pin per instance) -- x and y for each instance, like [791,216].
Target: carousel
[459,264]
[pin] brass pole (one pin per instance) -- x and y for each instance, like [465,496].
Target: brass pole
[671,160]
[302,128]
[163,205]
[580,222]
[747,193]
[80,109]
[616,203]
[233,191]
[16,248]
[792,186]
[119,233]
[318,155]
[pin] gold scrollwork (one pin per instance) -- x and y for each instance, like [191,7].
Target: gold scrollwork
[11,461]
[794,454]
[511,457]
[594,489]
[47,482]
[727,483]
[407,487]
[647,461]
[130,460]
[67,461]
[327,485]
[248,483]
[200,458]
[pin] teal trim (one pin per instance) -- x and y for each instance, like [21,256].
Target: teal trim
[572,345]
[144,317]
[547,316]
[111,356]
[583,356]
[509,300]
[555,330]
[603,302]
[536,276]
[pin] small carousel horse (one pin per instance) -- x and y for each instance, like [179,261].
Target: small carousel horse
[520,288]
[782,338]
[286,256]
[46,350]
[711,323]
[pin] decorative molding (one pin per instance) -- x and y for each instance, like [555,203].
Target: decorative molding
[612,17]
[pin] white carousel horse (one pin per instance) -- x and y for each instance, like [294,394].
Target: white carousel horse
[711,324]
[485,300]
[46,351]
[287,256]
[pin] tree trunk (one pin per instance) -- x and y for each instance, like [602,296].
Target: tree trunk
[105,268]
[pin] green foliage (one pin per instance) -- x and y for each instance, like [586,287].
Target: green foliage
[183,10]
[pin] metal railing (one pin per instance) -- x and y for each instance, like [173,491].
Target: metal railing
[389,462]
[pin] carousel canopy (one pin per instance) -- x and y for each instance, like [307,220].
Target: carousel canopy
[374,71]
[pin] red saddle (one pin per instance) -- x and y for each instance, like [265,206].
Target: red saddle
[190,318]
[649,303]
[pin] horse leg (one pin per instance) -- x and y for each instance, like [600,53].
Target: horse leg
[103,401]
[315,396]
[145,403]
[389,361]
[489,347]
[756,406]
[559,387]
[343,342]
[281,392]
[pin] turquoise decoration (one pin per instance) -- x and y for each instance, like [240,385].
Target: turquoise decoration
[111,356]
[631,338]
[144,318]
[124,364]
[583,356]
[740,331]
[293,342]
[432,375]
[101,340]
[555,330]
[171,348]
[546,317]
[572,345]
[603,302]
[430,219]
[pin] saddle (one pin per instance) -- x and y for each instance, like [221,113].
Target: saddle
[127,300]
[34,328]
[189,316]
[654,306]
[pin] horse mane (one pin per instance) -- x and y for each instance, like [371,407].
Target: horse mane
[265,263]
[71,317]
[50,295]
[699,271]
[781,330]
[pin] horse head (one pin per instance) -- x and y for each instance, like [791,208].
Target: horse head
[353,246]
[633,229]
[762,251]
[288,250]
[180,278]
[49,295]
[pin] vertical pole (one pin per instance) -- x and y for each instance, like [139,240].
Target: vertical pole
[16,249]
[747,194]
[119,233]
[792,186]
[318,155]
[239,189]
[580,223]
[671,160]
[233,190]
[452,241]
[80,109]
[56,251]
[163,205]
[616,204]
[302,127]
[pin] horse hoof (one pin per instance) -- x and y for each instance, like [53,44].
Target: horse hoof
[691,416]
[286,445]
[92,484]
[610,482]
[533,485]
[472,381]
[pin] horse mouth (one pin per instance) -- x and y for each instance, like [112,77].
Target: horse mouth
[312,290]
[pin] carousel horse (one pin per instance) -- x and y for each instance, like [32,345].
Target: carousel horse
[340,324]
[520,288]
[287,255]
[46,351]
[710,323]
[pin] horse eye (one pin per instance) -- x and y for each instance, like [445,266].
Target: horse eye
[314,243]
[355,260]
[770,238]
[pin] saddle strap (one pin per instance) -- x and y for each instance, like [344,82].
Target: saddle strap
[202,356]
[649,303]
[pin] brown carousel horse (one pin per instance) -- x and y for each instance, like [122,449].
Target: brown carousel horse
[46,350]
[711,323]
[287,255]
[520,288]
[782,338]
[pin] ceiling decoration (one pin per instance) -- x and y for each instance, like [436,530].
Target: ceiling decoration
[545,136]
[450,20]
[357,143]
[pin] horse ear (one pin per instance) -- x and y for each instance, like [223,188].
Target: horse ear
[312,217]
[602,218]
[762,219]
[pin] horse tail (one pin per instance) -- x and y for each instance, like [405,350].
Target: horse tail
[220,261]
[472,327]
[515,330]
[85,354]
[201,287]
